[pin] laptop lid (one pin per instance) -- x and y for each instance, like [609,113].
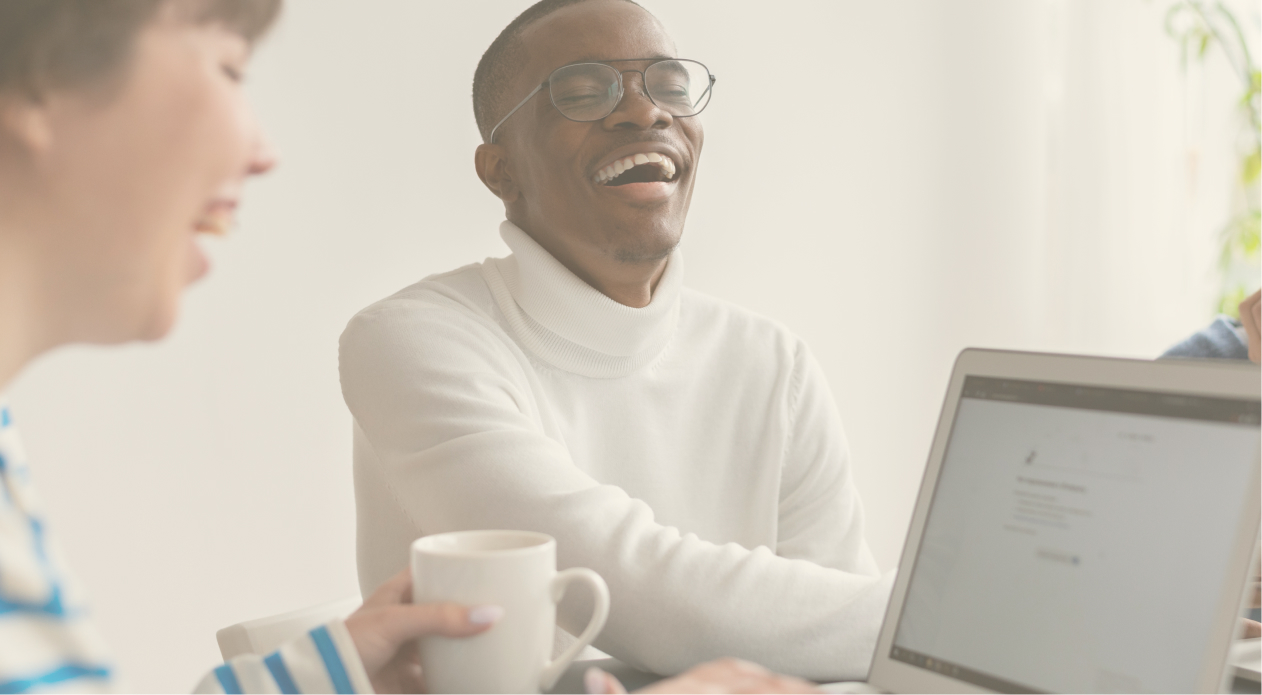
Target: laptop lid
[1084,524]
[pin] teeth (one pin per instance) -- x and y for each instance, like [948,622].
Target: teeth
[620,166]
[216,222]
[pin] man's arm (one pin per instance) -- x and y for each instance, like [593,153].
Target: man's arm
[447,408]
[821,515]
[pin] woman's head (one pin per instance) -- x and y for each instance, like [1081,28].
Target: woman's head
[124,132]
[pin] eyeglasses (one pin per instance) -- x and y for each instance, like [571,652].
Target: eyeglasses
[591,91]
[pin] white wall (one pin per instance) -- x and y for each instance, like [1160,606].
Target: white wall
[907,199]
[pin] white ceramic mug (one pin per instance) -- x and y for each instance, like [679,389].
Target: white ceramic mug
[515,570]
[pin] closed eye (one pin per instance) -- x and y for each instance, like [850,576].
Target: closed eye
[579,99]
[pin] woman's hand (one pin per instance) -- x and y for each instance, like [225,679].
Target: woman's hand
[721,676]
[386,627]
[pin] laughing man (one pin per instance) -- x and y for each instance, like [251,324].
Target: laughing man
[686,449]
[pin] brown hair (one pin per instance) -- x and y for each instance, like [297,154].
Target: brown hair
[67,43]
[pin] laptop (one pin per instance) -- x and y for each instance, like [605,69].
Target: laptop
[1084,524]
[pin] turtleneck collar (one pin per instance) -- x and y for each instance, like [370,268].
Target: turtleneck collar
[570,324]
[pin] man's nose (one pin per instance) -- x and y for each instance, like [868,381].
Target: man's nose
[636,110]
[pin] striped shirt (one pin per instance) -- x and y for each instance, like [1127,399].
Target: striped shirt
[48,642]
[322,661]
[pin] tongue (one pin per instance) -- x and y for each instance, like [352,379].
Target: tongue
[643,173]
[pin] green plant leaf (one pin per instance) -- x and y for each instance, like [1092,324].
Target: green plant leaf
[1251,166]
[1229,302]
[1195,26]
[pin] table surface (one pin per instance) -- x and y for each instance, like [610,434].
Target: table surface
[572,680]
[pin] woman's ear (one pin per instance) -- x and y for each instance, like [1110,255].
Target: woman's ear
[25,124]
[491,162]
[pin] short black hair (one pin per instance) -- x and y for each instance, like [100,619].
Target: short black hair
[501,62]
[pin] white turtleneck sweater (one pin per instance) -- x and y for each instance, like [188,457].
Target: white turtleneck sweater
[689,451]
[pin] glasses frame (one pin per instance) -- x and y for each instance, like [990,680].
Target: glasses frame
[621,92]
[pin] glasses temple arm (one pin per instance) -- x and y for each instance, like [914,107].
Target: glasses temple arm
[708,87]
[491,139]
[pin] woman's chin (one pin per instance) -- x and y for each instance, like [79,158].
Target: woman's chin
[160,323]
[154,325]
[198,261]
[163,311]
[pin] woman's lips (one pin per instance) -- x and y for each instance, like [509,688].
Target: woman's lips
[216,219]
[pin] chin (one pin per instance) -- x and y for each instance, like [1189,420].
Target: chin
[146,331]
[157,324]
[645,246]
[165,310]
[159,328]
[641,255]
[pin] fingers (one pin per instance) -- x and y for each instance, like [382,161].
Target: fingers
[731,676]
[1252,304]
[1251,318]
[405,622]
[397,589]
[598,682]
[381,631]
[1250,628]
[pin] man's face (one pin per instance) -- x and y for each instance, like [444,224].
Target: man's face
[556,163]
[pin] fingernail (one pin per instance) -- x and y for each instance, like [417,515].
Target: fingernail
[594,681]
[485,615]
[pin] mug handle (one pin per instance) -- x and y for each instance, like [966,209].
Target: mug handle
[600,613]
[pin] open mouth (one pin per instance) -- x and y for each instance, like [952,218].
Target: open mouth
[216,220]
[646,167]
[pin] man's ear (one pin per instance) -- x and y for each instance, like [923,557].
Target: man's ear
[491,161]
[25,124]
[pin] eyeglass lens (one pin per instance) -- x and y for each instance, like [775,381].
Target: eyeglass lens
[589,91]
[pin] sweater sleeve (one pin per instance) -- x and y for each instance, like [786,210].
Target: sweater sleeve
[821,515]
[322,661]
[446,407]
[1223,339]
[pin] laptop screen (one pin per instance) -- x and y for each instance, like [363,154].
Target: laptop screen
[1078,537]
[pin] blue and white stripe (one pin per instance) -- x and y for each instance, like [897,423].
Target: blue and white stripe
[322,661]
[47,642]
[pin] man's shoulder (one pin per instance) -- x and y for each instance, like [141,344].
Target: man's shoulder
[456,292]
[454,305]
[463,286]
[735,326]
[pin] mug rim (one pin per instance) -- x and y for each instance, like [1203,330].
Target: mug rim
[424,544]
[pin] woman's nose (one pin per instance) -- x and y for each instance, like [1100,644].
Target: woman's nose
[263,159]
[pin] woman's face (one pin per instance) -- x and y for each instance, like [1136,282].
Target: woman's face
[132,171]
